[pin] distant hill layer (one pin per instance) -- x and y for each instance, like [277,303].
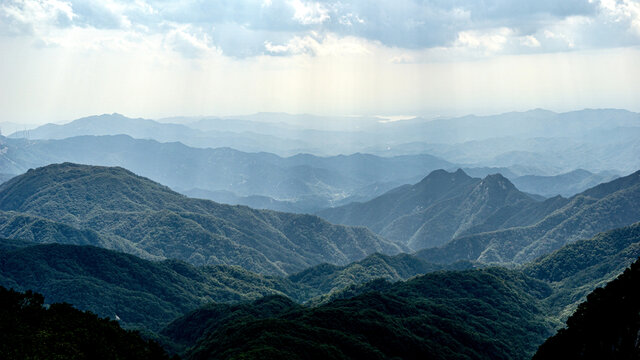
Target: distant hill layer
[549,141]
[545,147]
[305,181]
[567,184]
[120,210]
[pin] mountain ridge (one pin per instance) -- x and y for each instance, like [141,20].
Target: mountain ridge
[141,214]
[603,207]
[440,207]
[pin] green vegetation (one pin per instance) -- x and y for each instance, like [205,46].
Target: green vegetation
[577,269]
[489,313]
[186,330]
[379,307]
[30,330]
[606,326]
[115,209]
[148,294]
[480,314]
[143,294]
[330,281]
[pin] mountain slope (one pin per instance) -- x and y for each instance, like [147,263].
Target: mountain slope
[31,330]
[326,279]
[578,268]
[482,314]
[443,206]
[142,293]
[159,223]
[601,208]
[148,294]
[606,326]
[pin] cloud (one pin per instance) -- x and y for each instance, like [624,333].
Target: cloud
[246,28]
[310,12]
[29,16]
[318,45]
[492,41]
[625,11]
[189,41]
[530,41]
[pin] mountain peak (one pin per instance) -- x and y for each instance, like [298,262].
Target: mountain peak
[461,172]
[440,175]
[81,188]
[440,182]
[102,117]
[498,181]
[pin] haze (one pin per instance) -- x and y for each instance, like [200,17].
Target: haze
[67,59]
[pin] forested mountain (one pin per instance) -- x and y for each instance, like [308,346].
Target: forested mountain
[606,326]
[326,279]
[600,208]
[141,293]
[31,330]
[480,314]
[130,212]
[380,319]
[578,268]
[443,206]
[148,294]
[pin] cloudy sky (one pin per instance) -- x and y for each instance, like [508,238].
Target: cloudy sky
[66,59]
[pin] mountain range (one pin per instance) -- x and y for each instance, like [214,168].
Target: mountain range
[509,245]
[301,182]
[148,294]
[536,142]
[116,209]
[141,293]
[428,305]
[444,206]
[600,208]
[435,315]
